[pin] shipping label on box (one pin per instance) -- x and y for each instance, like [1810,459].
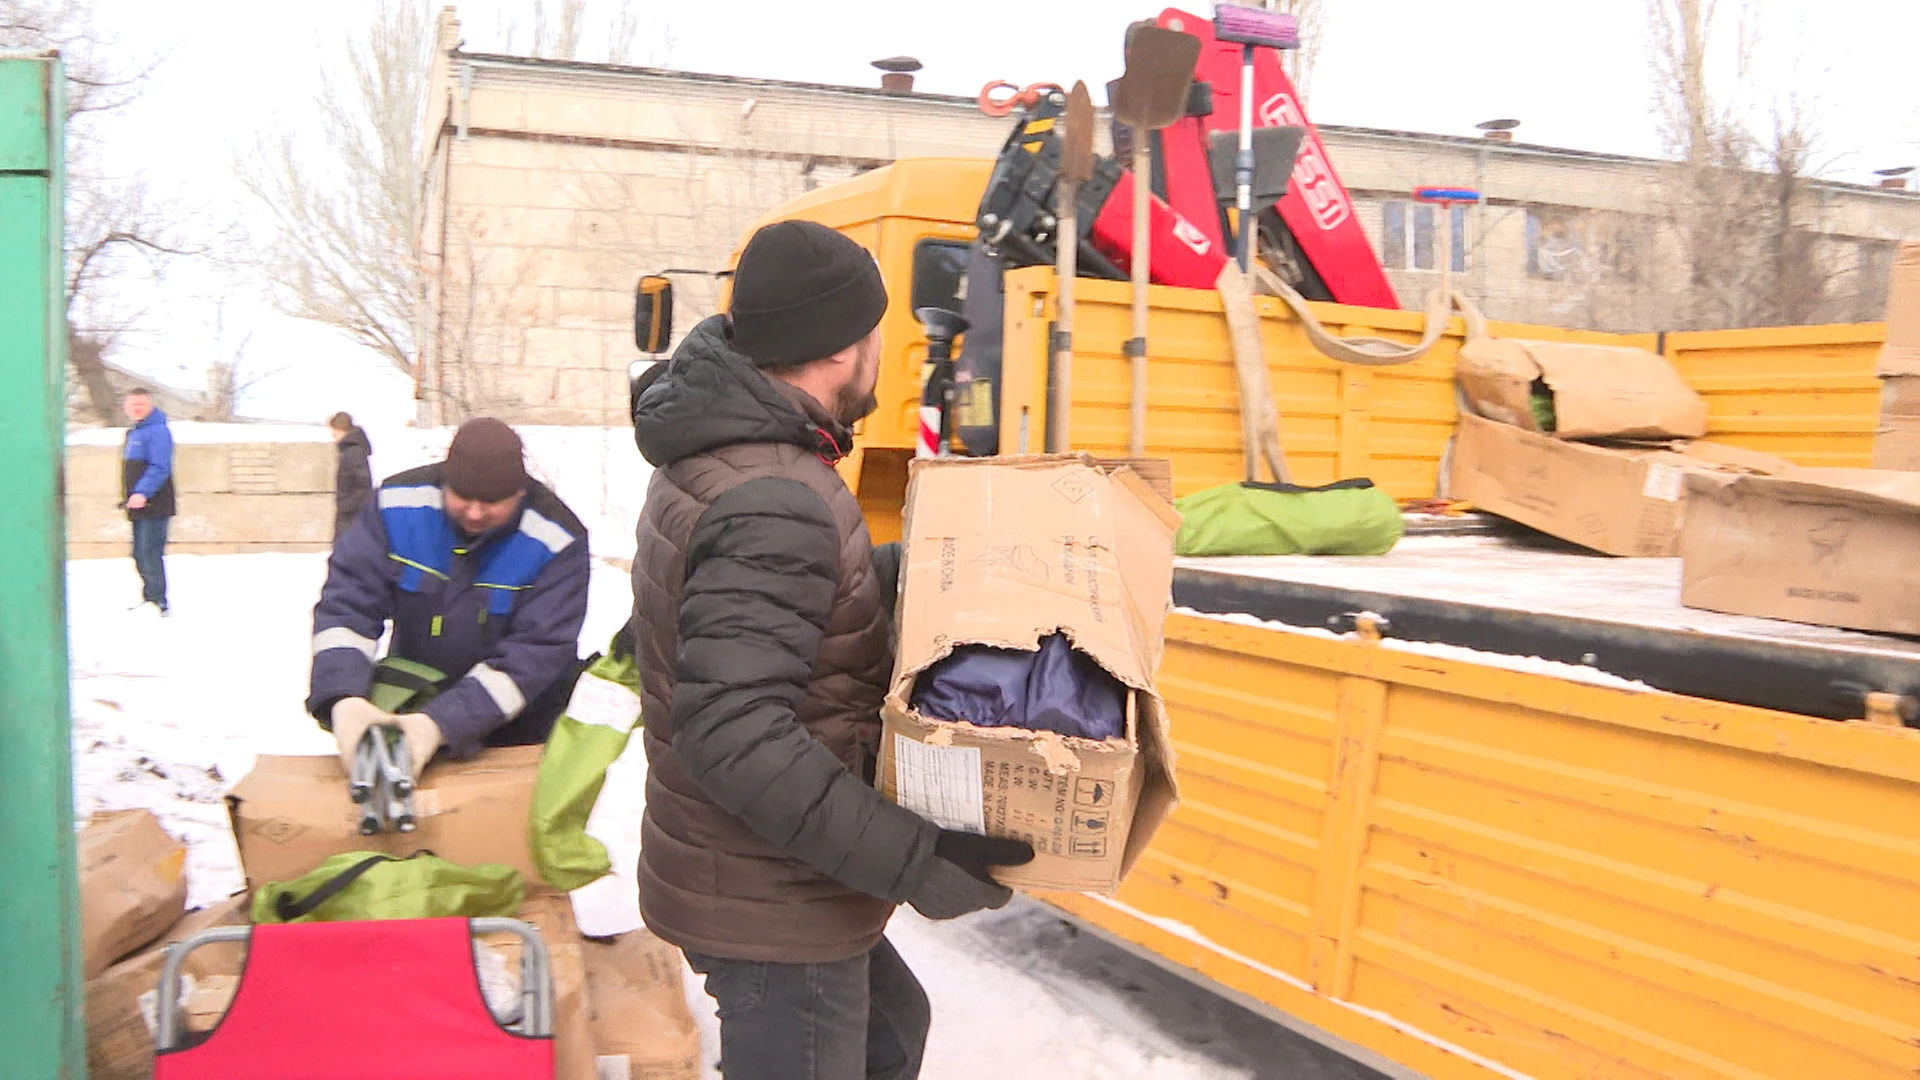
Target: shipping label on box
[1831,547]
[1005,552]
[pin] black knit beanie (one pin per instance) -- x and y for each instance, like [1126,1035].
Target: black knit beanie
[803,292]
[485,461]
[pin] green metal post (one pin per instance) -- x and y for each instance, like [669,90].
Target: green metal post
[40,987]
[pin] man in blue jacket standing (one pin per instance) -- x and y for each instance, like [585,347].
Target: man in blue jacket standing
[482,571]
[146,487]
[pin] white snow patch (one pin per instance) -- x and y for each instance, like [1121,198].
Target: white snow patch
[1531,665]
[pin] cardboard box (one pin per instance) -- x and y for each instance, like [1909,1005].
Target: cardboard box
[133,885]
[1614,500]
[1833,547]
[1901,354]
[1599,391]
[1005,551]
[119,1040]
[642,1028]
[290,813]
[1897,444]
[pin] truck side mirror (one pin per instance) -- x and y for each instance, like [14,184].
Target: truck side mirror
[653,314]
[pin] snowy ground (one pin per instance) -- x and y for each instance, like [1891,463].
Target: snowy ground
[169,713]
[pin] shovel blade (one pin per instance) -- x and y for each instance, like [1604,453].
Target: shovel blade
[1076,156]
[1153,92]
[1274,150]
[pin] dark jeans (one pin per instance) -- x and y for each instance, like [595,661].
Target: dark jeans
[149,556]
[861,1018]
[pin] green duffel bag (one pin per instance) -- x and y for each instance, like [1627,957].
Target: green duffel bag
[1351,517]
[590,734]
[367,885]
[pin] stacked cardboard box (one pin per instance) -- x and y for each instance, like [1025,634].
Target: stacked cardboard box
[1833,547]
[1004,552]
[1626,496]
[1897,444]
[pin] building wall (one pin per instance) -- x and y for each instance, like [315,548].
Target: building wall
[554,185]
[232,497]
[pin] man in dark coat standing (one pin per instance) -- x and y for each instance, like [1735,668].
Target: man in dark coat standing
[146,487]
[353,475]
[763,620]
[482,571]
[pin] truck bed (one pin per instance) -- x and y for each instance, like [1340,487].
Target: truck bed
[1529,597]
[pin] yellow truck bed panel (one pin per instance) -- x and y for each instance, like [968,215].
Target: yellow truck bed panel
[1476,871]
[1806,393]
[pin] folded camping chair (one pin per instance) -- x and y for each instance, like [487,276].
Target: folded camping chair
[372,1000]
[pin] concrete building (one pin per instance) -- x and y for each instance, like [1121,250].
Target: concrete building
[553,185]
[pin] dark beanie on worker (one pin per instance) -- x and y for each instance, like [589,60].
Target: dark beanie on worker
[802,293]
[484,462]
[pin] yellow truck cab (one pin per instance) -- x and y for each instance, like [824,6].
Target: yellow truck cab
[916,217]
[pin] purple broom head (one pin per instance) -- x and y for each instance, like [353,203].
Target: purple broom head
[1255,26]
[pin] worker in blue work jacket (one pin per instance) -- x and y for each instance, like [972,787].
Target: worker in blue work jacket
[482,572]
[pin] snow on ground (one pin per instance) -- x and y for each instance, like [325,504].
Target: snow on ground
[169,713]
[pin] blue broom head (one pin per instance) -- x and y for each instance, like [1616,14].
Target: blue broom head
[1255,26]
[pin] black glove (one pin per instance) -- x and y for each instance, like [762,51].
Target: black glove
[886,567]
[958,879]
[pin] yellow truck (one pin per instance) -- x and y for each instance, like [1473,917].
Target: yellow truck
[1474,809]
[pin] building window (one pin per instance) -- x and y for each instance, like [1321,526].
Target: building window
[1565,244]
[1407,240]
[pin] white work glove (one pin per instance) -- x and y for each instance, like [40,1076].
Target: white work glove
[351,718]
[423,738]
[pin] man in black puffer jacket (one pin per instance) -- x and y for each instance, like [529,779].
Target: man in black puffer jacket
[764,651]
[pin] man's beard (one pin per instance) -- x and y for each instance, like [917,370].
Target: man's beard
[852,404]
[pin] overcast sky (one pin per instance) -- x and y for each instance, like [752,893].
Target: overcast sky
[1575,74]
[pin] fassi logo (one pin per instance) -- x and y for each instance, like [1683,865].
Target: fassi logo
[1312,176]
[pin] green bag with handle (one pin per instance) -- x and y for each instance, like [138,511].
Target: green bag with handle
[588,737]
[1351,517]
[402,686]
[369,885]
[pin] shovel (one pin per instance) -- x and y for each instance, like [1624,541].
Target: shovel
[1076,168]
[1151,95]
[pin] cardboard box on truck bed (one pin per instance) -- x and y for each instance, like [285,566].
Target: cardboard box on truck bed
[1004,552]
[1598,391]
[1833,547]
[290,813]
[1619,501]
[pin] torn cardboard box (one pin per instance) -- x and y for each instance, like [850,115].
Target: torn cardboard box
[642,1028]
[1005,552]
[1596,391]
[133,885]
[119,1036]
[1613,500]
[290,813]
[1833,547]
[1901,354]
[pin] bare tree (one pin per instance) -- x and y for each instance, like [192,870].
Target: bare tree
[1313,25]
[346,221]
[114,228]
[1739,203]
